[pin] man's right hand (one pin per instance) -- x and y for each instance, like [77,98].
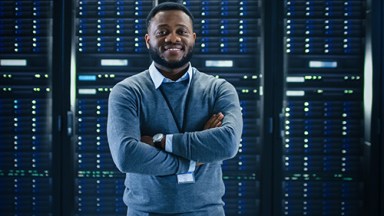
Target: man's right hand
[214,121]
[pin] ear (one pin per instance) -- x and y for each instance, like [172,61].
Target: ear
[146,37]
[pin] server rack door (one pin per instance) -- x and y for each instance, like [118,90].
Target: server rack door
[26,180]
[377,16]
[381,106]
[372,106]
[323,108]
[109,46]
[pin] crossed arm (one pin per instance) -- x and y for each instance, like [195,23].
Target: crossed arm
[214,121]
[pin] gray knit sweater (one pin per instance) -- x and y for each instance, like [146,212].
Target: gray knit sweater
[136,108]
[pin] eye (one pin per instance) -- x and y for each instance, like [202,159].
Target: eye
[183,32]
[161,32]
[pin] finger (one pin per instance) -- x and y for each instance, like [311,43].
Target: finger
[210,121]
[219,124]
[215,120]
[218,120]
[220,116]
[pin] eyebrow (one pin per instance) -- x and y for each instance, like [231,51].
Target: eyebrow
[166,25]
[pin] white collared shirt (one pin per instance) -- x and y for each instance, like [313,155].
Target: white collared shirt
[158,78]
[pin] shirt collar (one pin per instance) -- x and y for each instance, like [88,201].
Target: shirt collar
[158,78]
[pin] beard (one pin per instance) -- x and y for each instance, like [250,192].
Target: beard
[155,55]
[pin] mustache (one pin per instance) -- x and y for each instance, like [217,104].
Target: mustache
[155,56]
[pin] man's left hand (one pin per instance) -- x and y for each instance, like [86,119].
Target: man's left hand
[147,140]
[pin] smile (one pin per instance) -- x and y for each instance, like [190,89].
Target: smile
[173,48]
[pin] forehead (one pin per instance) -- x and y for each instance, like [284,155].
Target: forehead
[171,17]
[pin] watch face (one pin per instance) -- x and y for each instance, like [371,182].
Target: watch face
[158,137]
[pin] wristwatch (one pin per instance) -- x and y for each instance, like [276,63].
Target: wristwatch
[156,139]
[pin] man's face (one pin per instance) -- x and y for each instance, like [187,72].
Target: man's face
[170,39]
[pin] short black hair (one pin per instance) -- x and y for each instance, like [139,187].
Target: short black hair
[166,6]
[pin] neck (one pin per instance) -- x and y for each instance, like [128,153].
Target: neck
[172,74]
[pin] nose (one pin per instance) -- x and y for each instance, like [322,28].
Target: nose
[172,37]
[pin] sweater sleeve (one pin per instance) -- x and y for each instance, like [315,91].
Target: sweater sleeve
[123,131]
[215,144]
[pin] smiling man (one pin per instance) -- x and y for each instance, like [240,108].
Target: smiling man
[171,126]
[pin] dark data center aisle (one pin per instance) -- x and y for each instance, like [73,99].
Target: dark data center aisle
[311,104]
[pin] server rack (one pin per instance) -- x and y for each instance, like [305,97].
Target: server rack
[323,112]
[26,150]
[109,47]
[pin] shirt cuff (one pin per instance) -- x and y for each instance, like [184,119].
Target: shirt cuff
[168,143]
[192,166]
